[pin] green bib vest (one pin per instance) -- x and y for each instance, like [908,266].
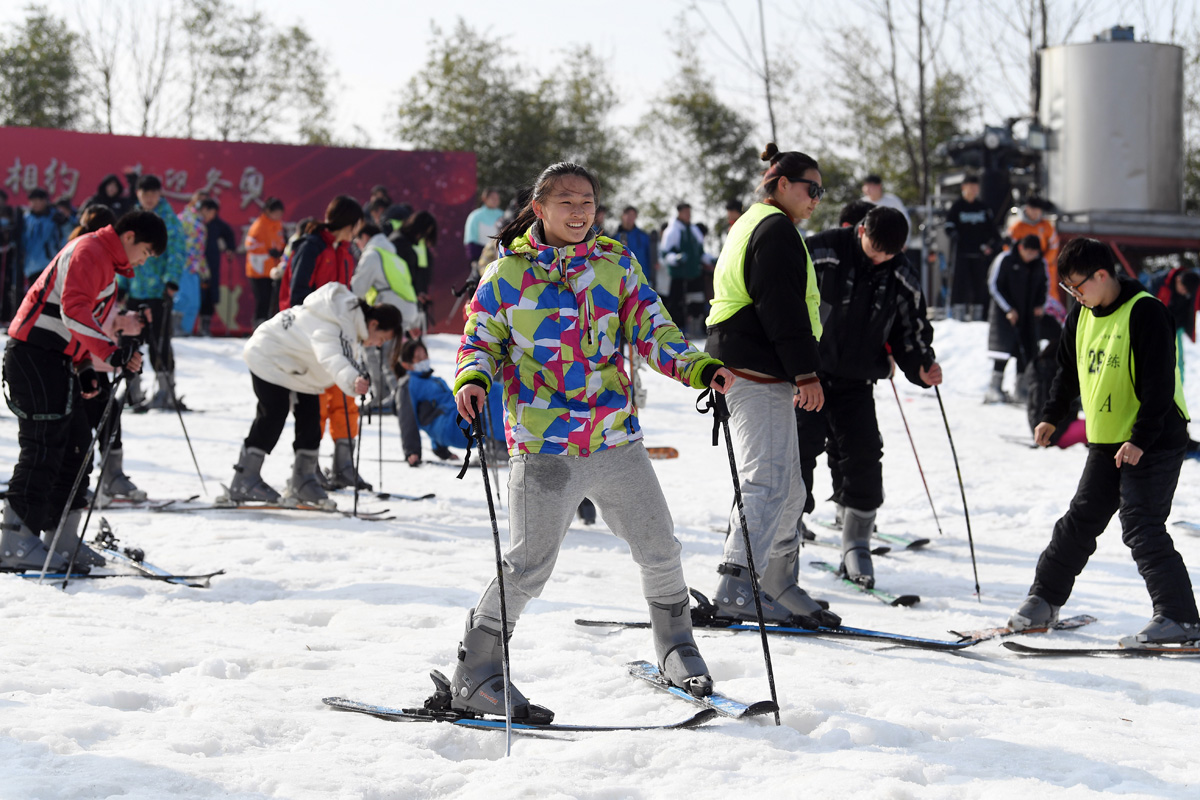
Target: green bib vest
[729,278]
[422,255]
[1104,361]
[395,270]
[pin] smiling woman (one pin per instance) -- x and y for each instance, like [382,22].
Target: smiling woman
[552,316]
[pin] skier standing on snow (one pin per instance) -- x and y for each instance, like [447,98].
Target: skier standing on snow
[1116,354]
[551,317]
[48,375]
[871,300]
[1017,282]
[765,325]
[304,349]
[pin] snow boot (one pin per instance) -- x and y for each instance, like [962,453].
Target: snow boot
[343,474]
[165,398]
[85,557]
[115,483]
[1161,630]
[781,580]
[958,312]
[735,598]
[587,512]
[478,682]
[247,483]
[856,547]
[303,487]
[978,313]
[995,394]
[1021,395]
[1033,613]
[135,397]
[206,325]
[20,548]
[679,659]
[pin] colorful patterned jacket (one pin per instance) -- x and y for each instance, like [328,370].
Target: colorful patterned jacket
[554,320]
[153,276]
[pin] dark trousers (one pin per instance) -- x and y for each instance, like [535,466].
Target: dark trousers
[52,431]
[94,409]
[263,289]
[162,356]
[1141,496]
[274,401]
[676,301]
[847,422]
[969,287]
[210,289]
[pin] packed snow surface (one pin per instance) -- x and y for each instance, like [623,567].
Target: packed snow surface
[135,689]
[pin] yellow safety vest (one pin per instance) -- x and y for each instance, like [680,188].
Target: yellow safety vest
[395,270]
[729,278]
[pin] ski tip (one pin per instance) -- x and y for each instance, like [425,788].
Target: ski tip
[916,544]
[760,708]
[906,600]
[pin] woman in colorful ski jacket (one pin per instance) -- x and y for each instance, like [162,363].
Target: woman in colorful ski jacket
[551,316]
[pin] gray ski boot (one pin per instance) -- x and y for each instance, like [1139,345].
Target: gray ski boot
[678,657]
[165,398]
[1161,630]
[85,557]
[1033,613]
[735,598]
[21,549]
[343,474]
[247,483]
[304,487]
[1021,395]
[856,547]
[995,394]
[478,682]
[781,581]
[115,483]
[135,396]
[959,312]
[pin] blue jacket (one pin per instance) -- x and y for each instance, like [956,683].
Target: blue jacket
[638,242]
[433,404]
[40,241]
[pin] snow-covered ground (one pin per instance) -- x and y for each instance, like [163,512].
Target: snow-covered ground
[141,690]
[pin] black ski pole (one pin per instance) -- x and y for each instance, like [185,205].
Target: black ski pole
[104,454]
[963,491]
[160,342]
[379,410]
[83,470]
[362,404]
[346,411]
[716,401]
[487,488]
[900,405]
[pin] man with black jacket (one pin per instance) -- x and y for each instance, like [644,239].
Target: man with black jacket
[871,303]
[1117,355]
[971,226]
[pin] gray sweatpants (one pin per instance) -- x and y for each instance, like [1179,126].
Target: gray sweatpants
[544,492]
[762,424]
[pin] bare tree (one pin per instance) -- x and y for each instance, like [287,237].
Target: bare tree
[153,62]
[101,36]
[757,64]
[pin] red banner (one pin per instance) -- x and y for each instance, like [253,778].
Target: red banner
[242,176]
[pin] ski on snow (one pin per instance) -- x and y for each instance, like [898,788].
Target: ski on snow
[984,634]
[900,539]
[437,709]
[120,503]
[370,516]
[878,594]
[718,702]
[1144,650]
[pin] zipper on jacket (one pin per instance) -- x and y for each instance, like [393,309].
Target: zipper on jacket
[587,314]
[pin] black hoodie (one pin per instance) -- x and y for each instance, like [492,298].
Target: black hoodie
[119,203]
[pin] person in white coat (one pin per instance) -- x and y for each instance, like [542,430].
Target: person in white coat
[305,350]
[382,276]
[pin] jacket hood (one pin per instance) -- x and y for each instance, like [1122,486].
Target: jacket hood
[112,243]
[107,179]
[559,262]
[382,242]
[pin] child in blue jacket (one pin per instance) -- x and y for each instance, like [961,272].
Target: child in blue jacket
[432,403]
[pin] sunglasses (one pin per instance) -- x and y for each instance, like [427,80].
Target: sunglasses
[1073,288]
[815,190]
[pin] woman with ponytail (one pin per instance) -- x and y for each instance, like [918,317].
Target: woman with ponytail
[551,318]
[764,325]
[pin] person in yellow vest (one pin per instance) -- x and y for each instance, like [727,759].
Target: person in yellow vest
[764,325]
[1117,354]
[382,276]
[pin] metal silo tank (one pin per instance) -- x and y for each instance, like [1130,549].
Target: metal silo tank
[1114,111]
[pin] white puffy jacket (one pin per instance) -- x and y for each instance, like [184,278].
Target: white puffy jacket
[309,348]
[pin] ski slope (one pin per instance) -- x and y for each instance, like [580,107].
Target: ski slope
[134,689]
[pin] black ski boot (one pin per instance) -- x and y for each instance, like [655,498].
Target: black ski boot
[679,659]
[477,686]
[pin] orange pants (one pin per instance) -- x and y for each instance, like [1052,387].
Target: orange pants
[334,406]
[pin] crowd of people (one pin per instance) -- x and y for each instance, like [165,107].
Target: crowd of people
[798,331]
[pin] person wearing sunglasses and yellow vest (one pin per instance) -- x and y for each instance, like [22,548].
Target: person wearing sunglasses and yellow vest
[1117,354]
[764,326]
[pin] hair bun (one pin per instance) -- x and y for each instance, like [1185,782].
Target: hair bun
[770,152]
